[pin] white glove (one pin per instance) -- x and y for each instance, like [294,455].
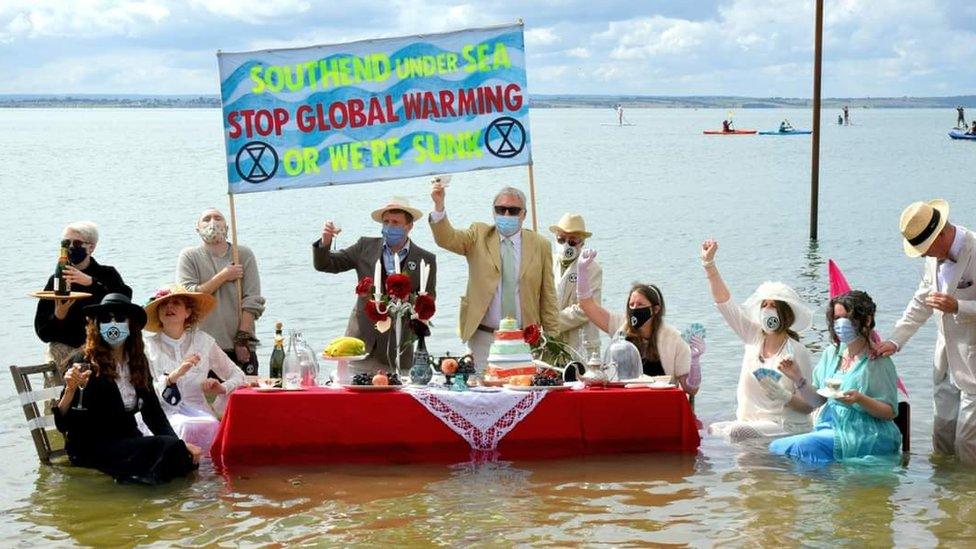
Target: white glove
[774,390]
[586,258]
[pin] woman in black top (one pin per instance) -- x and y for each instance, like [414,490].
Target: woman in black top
[61,323]
[103,434]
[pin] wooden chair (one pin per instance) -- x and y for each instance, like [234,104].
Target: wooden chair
[40,421]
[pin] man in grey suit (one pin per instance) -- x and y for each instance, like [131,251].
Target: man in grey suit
[397,218]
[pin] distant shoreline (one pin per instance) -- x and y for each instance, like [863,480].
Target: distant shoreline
[75,101]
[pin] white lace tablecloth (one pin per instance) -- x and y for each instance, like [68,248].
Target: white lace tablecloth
[482,419]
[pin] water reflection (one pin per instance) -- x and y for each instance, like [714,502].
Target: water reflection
[813,288]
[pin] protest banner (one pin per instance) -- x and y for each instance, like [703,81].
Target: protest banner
[375,109]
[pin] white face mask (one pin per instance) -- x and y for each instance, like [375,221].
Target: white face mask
[769,320]
[567,252]
[212,231]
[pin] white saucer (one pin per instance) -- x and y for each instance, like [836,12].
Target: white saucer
[267,389]
[827,392]
[537,387]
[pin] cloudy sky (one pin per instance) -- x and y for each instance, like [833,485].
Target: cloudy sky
[647,47]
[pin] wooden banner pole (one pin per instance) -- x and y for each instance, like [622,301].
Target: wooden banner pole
[815,138]
[535,226]
[233,250]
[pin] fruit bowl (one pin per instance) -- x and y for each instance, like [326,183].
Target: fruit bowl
[350,358]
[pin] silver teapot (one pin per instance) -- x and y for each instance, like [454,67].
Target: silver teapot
[595,373]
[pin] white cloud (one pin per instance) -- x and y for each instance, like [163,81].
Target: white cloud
[541,36]
[579,53]
[84,18]
[253,11]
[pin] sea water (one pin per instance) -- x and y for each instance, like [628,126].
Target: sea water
[650,193]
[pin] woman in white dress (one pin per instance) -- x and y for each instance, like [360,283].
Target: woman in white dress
[767,323]
[181,358]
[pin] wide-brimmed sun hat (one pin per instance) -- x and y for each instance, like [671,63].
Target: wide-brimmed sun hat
[397,203]
[202,304]
[777,291]
[921,223]
[571,223]
[118,303]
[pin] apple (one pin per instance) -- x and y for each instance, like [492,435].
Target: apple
[449,366]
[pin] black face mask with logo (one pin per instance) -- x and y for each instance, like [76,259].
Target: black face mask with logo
[639,316]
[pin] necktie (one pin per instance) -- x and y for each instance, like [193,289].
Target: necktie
[509,280]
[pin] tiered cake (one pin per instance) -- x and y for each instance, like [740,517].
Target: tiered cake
[509,355]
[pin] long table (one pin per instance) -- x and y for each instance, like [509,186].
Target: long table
[321,425]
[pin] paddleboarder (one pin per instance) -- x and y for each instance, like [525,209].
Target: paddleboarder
[961,117]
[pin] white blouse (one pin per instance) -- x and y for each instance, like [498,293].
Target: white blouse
[165,356]
[126,390]
[673,351]
[753,404]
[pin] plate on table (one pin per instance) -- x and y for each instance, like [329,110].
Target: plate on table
[651,385]
[50,295]
[373,388]
[267,389]
[827,392]
[537,387]
[352,358]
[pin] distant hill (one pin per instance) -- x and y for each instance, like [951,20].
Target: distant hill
[537,101]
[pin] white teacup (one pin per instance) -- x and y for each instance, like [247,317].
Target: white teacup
[833,384]
[268,382]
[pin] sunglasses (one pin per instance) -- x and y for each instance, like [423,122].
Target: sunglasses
[572,241]
[79,243]
[109,317]
[508,210]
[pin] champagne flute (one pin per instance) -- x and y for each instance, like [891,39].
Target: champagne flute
[82,368]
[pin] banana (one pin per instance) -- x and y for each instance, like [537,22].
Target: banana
[345,346]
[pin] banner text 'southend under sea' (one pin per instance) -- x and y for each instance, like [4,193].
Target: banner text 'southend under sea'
[376,109]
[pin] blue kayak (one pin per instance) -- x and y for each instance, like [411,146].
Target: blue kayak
[960,134]
[787,132]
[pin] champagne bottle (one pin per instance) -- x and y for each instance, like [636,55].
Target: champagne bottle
[61,286]
[278,354]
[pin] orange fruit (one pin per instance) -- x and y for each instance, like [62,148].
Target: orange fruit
[449,366]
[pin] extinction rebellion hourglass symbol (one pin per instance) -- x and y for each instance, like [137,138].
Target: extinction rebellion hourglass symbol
[256,162]
[511,134]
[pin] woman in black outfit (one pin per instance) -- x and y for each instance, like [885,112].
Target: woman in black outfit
[103,434]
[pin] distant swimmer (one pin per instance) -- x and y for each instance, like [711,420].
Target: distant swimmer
[785,126]
[840,120]
[727,126]
[960,117]
[847,118]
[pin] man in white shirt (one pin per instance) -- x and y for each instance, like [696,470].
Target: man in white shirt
[947,290]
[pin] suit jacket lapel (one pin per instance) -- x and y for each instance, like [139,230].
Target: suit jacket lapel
[526,254]
[963,261]
[494,248]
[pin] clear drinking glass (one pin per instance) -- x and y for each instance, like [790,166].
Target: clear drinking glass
[82,368]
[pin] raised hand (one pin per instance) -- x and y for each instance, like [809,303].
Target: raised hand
[437,192]
[708,250]
[789,369]
[329,231]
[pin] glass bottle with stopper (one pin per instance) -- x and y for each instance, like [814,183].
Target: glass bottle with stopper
[278,354]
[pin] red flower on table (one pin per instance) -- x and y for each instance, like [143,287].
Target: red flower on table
[398,286]
[364,286]
[373,314]
[419,327]
[424,306]
[532,334]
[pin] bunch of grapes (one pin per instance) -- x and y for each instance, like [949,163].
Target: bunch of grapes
[546,378]
[395,379]
[362,379]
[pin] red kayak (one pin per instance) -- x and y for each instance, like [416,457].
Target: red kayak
[733,132]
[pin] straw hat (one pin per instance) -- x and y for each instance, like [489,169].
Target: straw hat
[780,292]
[921,223]
[571,223]
[202,304]
[120,303]
[397,203]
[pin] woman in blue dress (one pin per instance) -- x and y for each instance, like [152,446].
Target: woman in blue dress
[861,393]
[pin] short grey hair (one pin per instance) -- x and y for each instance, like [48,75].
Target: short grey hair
[511,191]
[87,230]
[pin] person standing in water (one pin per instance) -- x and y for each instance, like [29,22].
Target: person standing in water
[960,117]
[620,115]
[847,116]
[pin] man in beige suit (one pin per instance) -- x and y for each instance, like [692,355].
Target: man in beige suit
[509,270]
[575,327]
[948,290]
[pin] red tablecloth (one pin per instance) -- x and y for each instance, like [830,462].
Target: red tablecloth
[327,425]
